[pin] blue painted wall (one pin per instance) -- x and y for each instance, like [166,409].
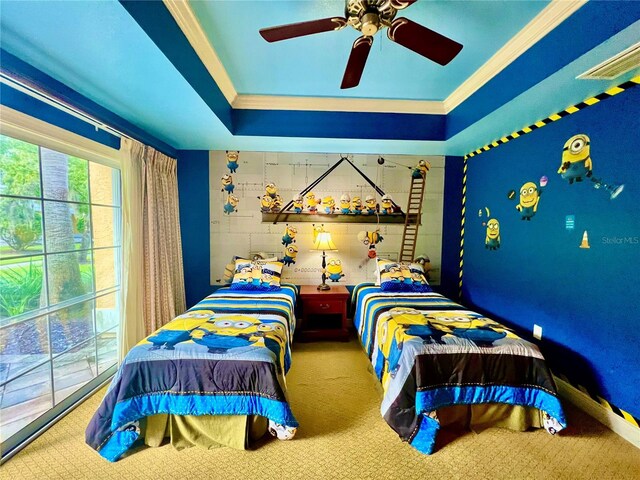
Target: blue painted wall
[585,299]
[193,194]
[452,216]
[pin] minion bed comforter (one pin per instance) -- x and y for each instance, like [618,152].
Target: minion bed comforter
[430,353]
[225,356]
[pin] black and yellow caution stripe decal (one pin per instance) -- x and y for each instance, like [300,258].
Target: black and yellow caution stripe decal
[558,115]
[635,422]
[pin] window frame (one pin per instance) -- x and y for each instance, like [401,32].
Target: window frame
[23,127]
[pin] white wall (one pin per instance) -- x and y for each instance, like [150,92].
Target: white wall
[243,232]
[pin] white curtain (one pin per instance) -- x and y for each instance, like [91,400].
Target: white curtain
[153,279]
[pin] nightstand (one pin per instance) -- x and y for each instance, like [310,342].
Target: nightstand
[324,313]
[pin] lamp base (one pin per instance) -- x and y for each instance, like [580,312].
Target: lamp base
[324,286]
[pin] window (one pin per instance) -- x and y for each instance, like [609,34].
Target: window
[60,270]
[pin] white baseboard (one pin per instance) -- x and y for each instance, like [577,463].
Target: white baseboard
[605,416]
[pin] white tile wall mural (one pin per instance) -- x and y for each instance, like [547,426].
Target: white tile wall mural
[243,233]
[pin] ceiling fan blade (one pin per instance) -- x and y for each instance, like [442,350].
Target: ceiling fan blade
[357,60]
[423,41]
[292,30]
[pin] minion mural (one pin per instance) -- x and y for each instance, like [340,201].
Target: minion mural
[312,202]
[334,270]
[492,240]
[298,203]
[371,239]
[232,203]
[345,204]
[232,161]
[529,200]
[289,235]
[356,205]
[576,164]
[329,204]
[387,204]
[227,183]
[290,253]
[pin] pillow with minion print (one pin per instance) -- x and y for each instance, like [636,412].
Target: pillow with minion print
[262,275]
[402,277]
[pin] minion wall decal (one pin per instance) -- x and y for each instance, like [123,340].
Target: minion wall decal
[370,204]
[371,239]
[356,205]
[231,204]
[266,203]
[277,204]
[232,161]
[316,230]
[386,205]
[290,253]
[312,202]
[289,235]
[334,269]
[345,204]
[529,200]
[227,183]
[271,190]
[576,164]
[492,239]
[576,161]
[298,203]
[420,170]
[328,204]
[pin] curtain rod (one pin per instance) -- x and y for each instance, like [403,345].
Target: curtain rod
[38,94]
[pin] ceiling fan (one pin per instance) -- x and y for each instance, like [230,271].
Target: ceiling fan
[369,17]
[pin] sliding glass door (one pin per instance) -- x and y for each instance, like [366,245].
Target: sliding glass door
[60,270]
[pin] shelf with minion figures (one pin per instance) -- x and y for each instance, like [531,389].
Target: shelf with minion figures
[306,206]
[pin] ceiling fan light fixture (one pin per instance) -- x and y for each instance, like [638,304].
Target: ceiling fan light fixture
[370,24]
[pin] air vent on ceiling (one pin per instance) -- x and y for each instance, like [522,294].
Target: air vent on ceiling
[615,66]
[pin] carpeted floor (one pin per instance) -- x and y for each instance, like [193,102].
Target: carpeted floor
[342,436]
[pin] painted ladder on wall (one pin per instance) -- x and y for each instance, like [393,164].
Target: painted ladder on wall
[412,219]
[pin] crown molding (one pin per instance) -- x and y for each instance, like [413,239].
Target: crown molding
[188,23]
[337,104]
[553,14]
[543,23]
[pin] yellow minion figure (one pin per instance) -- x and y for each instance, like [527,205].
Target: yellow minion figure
[356,205]
[312,202]
[492,240]
[277,204]
[290,253]
[387,204]
[345,204]
[371,204]
[529,200]
[316,230]
[271,190]
[370,238]
[576,159]
[227,183]
[289,235]
[334,270]
[266,203]
[329,204]
[232,161]
[420,170]
[298,203]
[232,203]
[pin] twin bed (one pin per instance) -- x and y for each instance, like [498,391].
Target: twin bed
[216,374]
[211,376]
[440,363]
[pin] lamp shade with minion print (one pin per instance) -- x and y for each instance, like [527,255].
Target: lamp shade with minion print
[324,244]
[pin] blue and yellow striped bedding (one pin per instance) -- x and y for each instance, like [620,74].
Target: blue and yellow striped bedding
[227,355]
[430,352]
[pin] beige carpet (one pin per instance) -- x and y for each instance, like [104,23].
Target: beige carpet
[342,436]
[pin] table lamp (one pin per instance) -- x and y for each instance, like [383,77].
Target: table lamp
[324,243]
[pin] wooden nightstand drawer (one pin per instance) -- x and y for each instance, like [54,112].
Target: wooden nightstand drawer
[324,306]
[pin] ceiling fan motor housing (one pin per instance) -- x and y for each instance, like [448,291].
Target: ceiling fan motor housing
[370,16]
